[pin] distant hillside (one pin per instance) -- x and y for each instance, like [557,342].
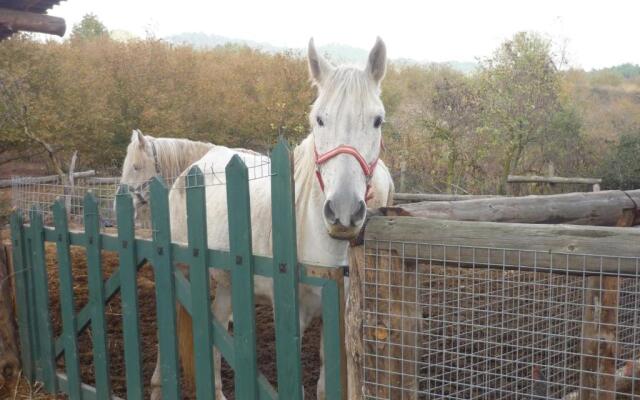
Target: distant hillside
[336,52]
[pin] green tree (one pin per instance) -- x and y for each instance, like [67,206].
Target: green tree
[621,167]
[521,86]
[90,27]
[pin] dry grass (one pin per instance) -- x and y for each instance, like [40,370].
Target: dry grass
[22,389]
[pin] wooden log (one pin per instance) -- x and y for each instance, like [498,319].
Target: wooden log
[551,179]
[599,338]
[9,361]
[42,179]
[591,208]
[416,197]
[521,246]
[15,21]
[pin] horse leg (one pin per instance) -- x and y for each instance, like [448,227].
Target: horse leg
[320,390]
[222,312]
[156,381]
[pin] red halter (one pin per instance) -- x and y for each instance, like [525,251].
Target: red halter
[367,168]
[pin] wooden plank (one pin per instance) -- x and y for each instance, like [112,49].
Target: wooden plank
[127,255]
[9,357]
[97,296]
[519,245]
[599,338]
[165,290]
[15,21]
[22,299]
[200,291]
[41,289]
[551,179]
[67,304]
[242,292]
[416,197]
[285,275]
[600,208]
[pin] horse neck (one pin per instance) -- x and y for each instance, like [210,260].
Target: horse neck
[314,244]
[176,155]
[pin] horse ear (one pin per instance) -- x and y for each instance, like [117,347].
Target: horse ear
[377,64]
[319,68]
[137,136]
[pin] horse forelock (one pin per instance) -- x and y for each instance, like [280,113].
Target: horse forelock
[345,89]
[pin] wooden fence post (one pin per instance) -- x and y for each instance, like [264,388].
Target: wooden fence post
[353,324]
[599,337]
[9,364]
[391,325]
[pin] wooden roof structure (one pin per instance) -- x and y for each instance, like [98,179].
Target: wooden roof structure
[29,16]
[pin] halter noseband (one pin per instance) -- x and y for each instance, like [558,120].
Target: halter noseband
[367,168]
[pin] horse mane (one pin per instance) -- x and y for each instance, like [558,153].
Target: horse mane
[176,155]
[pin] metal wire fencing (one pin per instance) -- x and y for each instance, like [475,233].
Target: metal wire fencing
[457,322]
[41,192]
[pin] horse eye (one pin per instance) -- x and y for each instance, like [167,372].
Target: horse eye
[319,121]
[136,168]
[377,122]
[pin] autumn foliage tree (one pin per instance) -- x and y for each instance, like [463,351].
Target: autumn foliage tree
[445,131]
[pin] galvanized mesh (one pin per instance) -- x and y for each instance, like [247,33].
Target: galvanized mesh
[455,322]
[30,192]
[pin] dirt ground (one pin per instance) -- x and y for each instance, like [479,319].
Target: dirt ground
[147,309]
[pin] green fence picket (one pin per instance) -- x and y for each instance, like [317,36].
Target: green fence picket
[41,289]
[165,290]
[97,296]
[200,290]
[67,305]
[22,299]
[129,293]
[332,336]
[242,297]
[31,298]
[285,275]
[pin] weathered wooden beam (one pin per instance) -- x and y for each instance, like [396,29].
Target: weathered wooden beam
[31,22]
[415,197]
[560,248]
[43,179]
[551,179]
[590,208]
[9,362]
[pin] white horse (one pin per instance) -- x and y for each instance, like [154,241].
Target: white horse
[336,169]
[148,156]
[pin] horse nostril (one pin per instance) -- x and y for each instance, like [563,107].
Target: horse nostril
[360,213]
[329,214]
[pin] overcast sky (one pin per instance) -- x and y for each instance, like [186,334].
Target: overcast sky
[595,34]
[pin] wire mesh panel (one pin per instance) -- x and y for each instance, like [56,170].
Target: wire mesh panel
[41,192]
[456,322]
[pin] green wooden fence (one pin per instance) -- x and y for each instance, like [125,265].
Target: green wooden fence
[40,349]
